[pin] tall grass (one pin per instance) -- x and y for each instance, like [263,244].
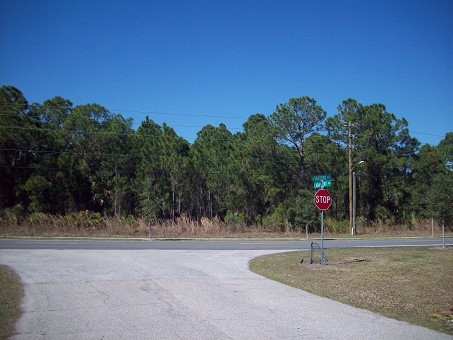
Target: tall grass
[86,224]
[11,294]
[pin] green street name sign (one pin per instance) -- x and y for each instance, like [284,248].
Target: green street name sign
[322,184]
[322,181]
[317,178]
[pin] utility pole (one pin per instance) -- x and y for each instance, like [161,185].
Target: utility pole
[354,203]
[350,146]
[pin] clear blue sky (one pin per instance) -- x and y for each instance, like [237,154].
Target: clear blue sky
[191,63]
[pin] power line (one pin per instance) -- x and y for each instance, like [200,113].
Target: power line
[34,128]
[427,134]
[192,115]
[261,160]
[100,155]
[180,114]
[136,124]
[123,171]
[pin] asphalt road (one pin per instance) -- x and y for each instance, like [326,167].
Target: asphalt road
[180,290]
[206,244]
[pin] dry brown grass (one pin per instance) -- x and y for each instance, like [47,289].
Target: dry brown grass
[90,224]
[410,284]
[11,293]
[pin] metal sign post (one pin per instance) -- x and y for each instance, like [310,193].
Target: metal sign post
[323,201]
[322,237]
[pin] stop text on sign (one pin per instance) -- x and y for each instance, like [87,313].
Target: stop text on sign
[322,199]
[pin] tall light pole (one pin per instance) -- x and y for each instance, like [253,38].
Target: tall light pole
[354,199]
[354,203]
[351,227]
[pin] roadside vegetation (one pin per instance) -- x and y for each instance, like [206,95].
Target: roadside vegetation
[409,284]
[63,164]
[89,224]
[11,294]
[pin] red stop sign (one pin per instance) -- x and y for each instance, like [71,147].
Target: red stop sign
[323,200]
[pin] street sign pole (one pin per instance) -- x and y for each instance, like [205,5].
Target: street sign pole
[323,201]
[322,237]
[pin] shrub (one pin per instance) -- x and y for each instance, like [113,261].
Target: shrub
[86,219]
[12,215]
[234,218]
[336,226]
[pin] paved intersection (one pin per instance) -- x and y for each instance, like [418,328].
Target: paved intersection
[178,294]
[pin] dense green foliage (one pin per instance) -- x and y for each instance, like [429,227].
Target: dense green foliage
[58,158]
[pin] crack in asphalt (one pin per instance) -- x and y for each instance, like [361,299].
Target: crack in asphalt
[100,292]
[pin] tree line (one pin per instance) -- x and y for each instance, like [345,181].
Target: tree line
[58,158]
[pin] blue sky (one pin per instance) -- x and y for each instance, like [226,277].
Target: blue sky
[192,63]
